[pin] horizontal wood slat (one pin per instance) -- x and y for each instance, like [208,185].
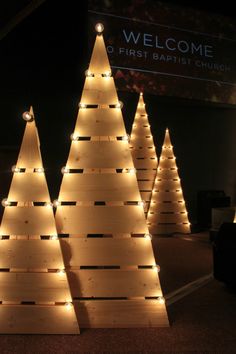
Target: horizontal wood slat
[29,187]
[30,254]
[99,154]
[114,283]
[28,221]
[100,122]
[34,287]
[103,187]
[38,319]
[156,229]
[99,90]
[121,314]
[100,219]
[107,252]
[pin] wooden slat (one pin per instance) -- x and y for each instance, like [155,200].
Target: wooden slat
[168,218]
[99,90]
[146,195]
[122,314]
[168,196]
[30,254]
[103,187]
[142,142]
[107,252]
[145,185]
[38,319]
[29,187]
[34,287]
[168,229]
[167,207]
[30,156]
[167,163]
[148,174]
[100,219]
[114,283]
[146,163]
[28,221]
[99,62]
[100,122]
[172,185]
[99,154]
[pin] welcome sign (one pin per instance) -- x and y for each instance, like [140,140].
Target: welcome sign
[170,58]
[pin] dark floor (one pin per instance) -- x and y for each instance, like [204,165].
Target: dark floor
[202,322]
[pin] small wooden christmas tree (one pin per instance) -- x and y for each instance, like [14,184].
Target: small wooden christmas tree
[167,213]
[34,292]
[143,153]
[100,217]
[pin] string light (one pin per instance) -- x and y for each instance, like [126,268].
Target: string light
[161,300]
[88,74]
[39,169]
[53,237]
[125,138]
[15,169]
[156,267]
[56,203]
[48,204]
[74,137]
[148,236]
[27,116]
[69,305]
[99,28]
[61,272]
[5,202]
[142,203]
[107,74]
[132,170]
[119,105]
[82,105]
[65,170]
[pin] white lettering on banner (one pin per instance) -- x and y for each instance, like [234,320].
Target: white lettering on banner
[183,46]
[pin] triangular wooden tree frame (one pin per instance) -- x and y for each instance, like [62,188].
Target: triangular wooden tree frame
[34,292]
[100,217]
[167,213]
[143,153]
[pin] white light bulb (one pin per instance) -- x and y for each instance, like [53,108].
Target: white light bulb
[65,170]
[56,203]
[107,74]
[61,271]
[82,105]
[5,202]
[48,204]
[27,116]
[53,237]
[125,138]
[99,28]
[69,305]
[132,170]
[88,73]
[161,300]
[119,105]
[142,203]
[148,236]
[156,267]
[39,169]
[74,137]
[15,169]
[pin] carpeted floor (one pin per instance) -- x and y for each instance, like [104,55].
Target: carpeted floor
[201,322]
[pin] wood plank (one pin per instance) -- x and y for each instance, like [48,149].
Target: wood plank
[35,319]
[114,283]
[145,185]
[29,187]
[148,174]
[101,219]
[107,252]
[28,221]
[99,90]
[168,196]
[142,142]
[167,207]
[29,155]
[122,314]
[100,154]
[34,287]
[156,229]
[146,163]
[169,218]
[103,187]
[30,254]
[99,122]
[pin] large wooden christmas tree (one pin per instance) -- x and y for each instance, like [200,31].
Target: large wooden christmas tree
[101,222]
[167,213]
[143,153]
[34,291]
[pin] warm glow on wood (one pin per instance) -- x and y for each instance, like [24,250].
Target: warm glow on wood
[167,213]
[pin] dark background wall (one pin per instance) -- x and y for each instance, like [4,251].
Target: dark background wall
[43,62]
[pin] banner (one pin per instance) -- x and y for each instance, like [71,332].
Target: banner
[169,51]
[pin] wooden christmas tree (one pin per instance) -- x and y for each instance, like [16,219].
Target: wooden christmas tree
[34,292]
[108,251]
[167,213]
[143,153]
